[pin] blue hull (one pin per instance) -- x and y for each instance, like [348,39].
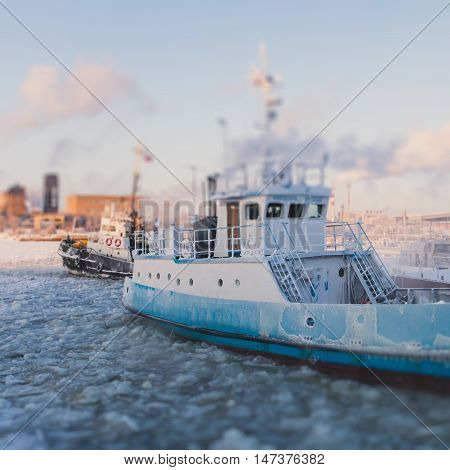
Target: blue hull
[274,329]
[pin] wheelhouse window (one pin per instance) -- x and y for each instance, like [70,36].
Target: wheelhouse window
[252,211]
[274,210]
[314,211]
[295,211]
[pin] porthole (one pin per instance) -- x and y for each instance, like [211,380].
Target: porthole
[158,276]
[169,277]
[139,274]
[237,282]
[191,282]
[341,272]
[149,275]
[310,321]
[220,282]
[178,282]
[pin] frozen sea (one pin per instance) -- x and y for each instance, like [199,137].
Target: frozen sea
[75,373]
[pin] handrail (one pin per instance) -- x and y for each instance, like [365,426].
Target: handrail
[245,240]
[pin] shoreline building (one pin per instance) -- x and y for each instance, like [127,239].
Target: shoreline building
[13,206]
[89,208]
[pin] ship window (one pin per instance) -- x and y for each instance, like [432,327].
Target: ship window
[274,210]
[169,277]
[295,211]
[158,276]
[178,282]
[252,211]
[191,282]
[149,275]
[237,282]
[314,211]
[220,282]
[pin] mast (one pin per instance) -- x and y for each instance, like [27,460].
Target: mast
[139,152]
[266,82]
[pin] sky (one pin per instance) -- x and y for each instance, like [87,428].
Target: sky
[169,70]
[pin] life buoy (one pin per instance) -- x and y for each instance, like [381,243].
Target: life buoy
[118,242]
[109,241]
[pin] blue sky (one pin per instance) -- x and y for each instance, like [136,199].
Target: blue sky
[184,64]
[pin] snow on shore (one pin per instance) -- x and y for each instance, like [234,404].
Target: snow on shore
[14,253]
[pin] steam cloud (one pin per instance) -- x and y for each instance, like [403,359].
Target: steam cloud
[422,151]
[49,95]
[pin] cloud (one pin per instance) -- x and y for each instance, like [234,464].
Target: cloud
[426,151]
[423,151]
[66,148]
[353,161]
[282,146]
[48,95]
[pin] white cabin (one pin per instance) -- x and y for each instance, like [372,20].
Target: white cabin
[113,239]
[293,212]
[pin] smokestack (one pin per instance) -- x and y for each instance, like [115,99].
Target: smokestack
[51,193]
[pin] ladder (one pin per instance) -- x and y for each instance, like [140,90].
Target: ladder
[292,277]
[371,272]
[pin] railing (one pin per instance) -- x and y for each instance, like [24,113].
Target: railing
[233,241]
[284,248]
[417,295]
[254,239]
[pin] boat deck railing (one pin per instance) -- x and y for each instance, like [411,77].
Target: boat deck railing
[261,239]
[425,295]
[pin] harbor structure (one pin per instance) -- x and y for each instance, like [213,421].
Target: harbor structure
[51,193]
[13,202]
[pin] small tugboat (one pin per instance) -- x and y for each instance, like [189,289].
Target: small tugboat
[267,273]
[110,252]
[107,254]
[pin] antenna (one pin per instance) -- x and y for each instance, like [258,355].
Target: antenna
[266,82]
[333,204]
[194,169]
[223,123]
[349,199]
[141,155]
